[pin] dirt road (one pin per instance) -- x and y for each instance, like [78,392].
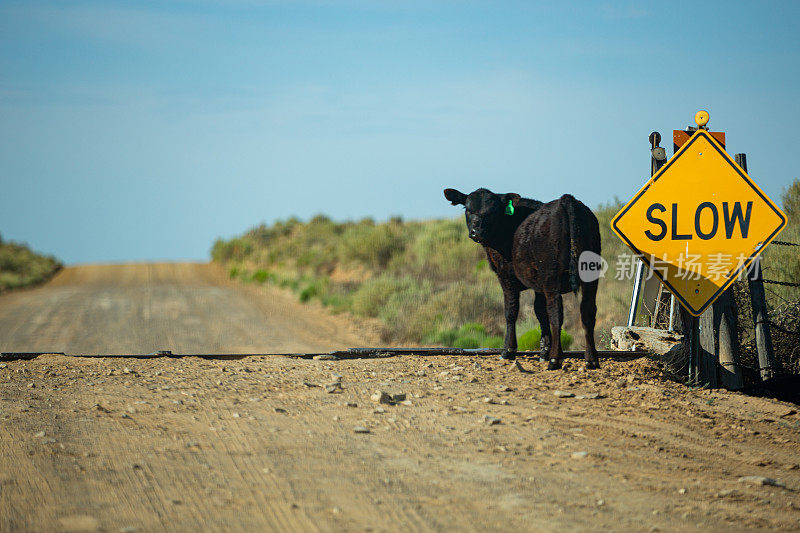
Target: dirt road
[259,443]
[182,307]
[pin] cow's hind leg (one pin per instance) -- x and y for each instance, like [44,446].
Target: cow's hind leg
[511,304]
[555,311]
[588,315]
[540,309]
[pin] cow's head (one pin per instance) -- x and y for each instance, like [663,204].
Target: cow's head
[485,211]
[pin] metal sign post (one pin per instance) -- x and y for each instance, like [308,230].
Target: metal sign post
[658,157]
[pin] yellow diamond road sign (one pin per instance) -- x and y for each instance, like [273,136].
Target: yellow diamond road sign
[699,222]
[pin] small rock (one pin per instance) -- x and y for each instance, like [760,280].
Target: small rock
[580,455]
[590,396]
[563,394]
[361,429]
[379,410]
[381,397]
[601,503]
[681,491]
[621,383]
[724,493]
[279,410]
[488,400]
[406,403]
[40,434]
[3,365]
[761,480]
[125,415]
[351,404]
[127,370]
[31,385]
[333,387]
[309,384]
[491,420]
[128,529]
[235,415]
[504,388]
[326,357]
[476,365]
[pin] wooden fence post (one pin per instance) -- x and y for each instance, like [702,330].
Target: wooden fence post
[719,343]
[766,355]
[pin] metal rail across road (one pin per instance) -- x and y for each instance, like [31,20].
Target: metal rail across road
[351,353]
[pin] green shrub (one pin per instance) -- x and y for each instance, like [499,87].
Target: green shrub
[566,340]
[472,328]
[315,288]
[492,342]
[371,245]
[442,250]
[372,296]
[471,335]
[467,342]
[260,275]
[530,340]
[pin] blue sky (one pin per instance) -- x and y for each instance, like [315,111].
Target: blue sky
[145,130]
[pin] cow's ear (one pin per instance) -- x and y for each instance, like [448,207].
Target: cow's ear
[511,197]
[455,197]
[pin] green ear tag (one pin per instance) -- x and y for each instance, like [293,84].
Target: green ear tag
[510,208]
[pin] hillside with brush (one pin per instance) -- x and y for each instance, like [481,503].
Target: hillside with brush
[429,283]
[426,281]
[22,267]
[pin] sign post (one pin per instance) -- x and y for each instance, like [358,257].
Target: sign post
[698,223]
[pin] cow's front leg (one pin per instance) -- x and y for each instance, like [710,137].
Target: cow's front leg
[555,311]
[511,304]
[540,309]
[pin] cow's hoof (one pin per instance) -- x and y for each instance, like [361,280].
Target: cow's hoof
[591,365]
[554,364]
[508,356]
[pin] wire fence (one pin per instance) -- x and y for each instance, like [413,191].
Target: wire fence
[783,323]
[783,304]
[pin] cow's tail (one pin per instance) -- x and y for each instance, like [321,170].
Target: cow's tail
[574,242]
